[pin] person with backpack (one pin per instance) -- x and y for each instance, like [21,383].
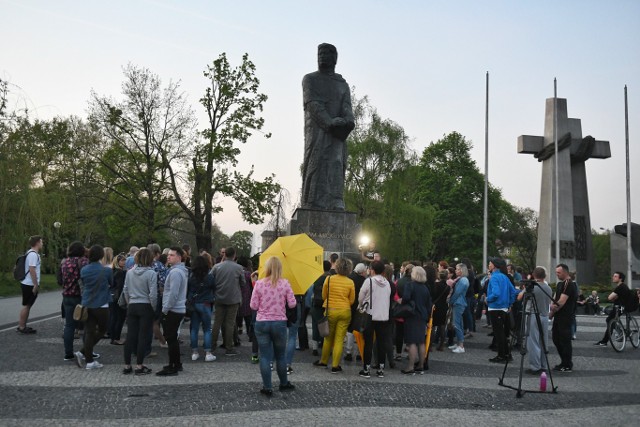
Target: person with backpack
[620,296]
[27,271]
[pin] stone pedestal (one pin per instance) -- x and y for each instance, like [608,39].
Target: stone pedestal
[335,231]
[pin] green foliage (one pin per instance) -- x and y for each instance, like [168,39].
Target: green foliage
[242,242]
[150,127]
[377,148]
[519,235]
[450,182]
[233,106]
[9,287]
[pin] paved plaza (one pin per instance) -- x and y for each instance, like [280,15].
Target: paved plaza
[38,388]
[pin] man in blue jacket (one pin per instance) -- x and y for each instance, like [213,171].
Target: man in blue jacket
[500,295]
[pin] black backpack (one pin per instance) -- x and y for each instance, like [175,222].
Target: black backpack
[20,269]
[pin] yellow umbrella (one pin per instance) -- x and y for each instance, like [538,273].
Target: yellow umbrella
[428,339]
[301,259]
[359,342]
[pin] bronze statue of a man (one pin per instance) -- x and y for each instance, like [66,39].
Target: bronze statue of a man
[328,120]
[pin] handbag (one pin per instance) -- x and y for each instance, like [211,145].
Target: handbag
[292,313]
[362,319]
[404,310]
[122,301]
[80,312]
[190,302]
[323,323]
[450,325]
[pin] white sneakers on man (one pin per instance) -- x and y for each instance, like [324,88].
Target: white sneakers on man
[94,365]
[458,350]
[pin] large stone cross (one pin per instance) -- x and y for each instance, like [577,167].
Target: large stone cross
[575,225]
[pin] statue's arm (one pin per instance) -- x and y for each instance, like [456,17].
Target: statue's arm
[314,104]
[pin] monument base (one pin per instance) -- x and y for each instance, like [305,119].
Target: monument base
[335,231]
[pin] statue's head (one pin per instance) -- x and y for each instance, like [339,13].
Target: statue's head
[327,56]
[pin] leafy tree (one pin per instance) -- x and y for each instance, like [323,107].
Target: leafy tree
[519,234]
[450,182]
[376,149]
[145,131]
[242,241]
[404,228]
[232,104]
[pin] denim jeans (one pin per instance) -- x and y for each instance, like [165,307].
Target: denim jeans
[468,317]
[69,303]
[292,336]
[458,310]
[201,315]
[272,340]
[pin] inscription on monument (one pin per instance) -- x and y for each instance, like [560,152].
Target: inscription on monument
[580,235]
[567,249]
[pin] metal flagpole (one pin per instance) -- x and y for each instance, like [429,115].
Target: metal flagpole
[485,255]
[557,186]
[626,131]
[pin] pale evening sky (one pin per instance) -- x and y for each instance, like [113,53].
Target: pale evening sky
[422,64]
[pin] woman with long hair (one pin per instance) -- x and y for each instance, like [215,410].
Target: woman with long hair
[141,293]
[270,297]
[117,314]
[200,293]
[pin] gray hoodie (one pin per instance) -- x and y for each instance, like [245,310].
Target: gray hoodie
[174,297]
[141,286]
[380,299]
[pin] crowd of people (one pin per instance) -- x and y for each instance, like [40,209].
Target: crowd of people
[392,315]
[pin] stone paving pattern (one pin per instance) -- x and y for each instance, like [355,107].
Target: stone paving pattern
[38,388]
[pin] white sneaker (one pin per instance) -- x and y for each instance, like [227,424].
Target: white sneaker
[458,350]
[195,356]
[80,361]
[453,347]
[209,358]
[94,365]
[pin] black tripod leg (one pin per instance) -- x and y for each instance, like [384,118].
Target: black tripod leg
[522,338]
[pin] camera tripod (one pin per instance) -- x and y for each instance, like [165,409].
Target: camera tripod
[521,337]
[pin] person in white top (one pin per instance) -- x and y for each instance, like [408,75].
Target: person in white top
[30,284]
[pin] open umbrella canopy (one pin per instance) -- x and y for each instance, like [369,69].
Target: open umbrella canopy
[301,259]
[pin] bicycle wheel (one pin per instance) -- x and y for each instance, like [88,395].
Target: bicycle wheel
[634,332]
[617,337]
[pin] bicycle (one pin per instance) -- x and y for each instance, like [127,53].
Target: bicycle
[618,333]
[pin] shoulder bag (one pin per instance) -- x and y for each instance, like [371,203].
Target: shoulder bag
[362,319]
[292,313]
[323,324]
[80,312]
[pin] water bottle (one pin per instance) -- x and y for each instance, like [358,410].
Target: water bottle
[543,381]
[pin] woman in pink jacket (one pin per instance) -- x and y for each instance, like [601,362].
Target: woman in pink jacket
[268,299]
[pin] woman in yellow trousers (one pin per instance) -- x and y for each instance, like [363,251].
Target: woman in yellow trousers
[338,293]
